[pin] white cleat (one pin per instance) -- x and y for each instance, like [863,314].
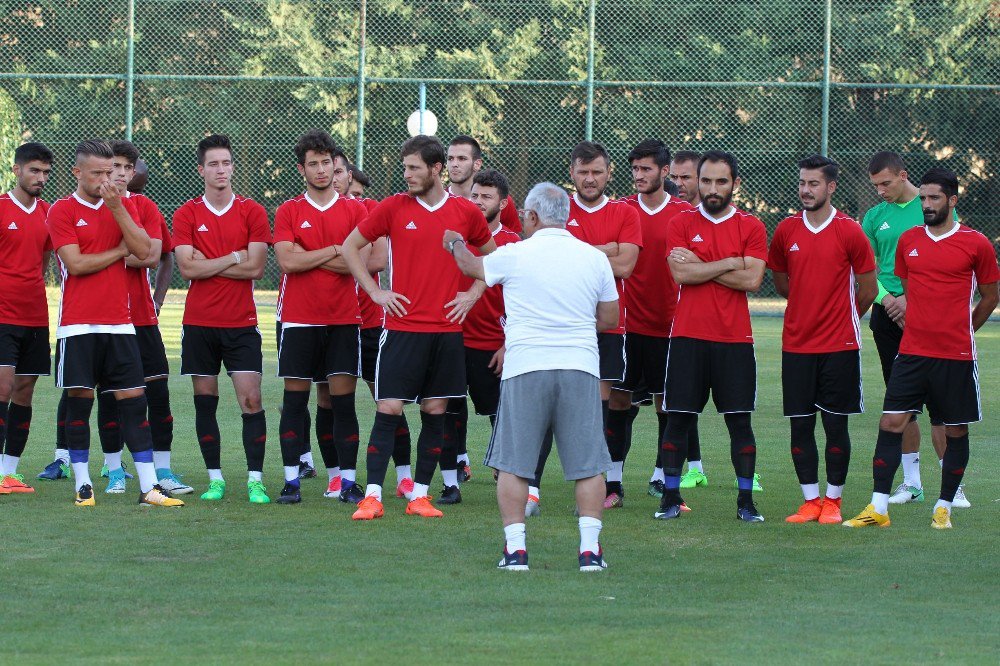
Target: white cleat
[173,485]
[532,508]
[904,494]
[961,501]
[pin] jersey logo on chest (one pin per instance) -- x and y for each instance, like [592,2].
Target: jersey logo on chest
[12,226]
[203,228]
[305,225]
[884,227]
[914,253]
[573,223]
[697,239]
[81,223]
[794,247]
[411,225]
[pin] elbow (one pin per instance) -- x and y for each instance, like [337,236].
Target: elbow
[753,285]
[283,265]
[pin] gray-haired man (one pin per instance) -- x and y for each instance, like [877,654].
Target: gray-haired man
[558,292]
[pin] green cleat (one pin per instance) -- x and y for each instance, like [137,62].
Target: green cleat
[216,491]
[736,483]
[257,492]
[693,478]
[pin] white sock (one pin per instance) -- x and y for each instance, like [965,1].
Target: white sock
[534,492]
[81,472]
[146,471]
[911,470]
[945,503]
[419,490]
[515,537]
[590,534]
[113,460]
[881,503]
[464,458]
[349,475]
[450,477]
[10,464]
[372,490]
[402,472]
[291,472]
[257,476]
[810,491]
[332,472]
[695,464]
[63,455]
[657,475]
[215,475]
[941,463]
[307,457]
[161,459]
[615,473]
[834,492]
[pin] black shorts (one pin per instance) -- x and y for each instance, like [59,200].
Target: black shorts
[316,352]
[645,364]
[949,388]
[611,348]
[418,366]
[26,349]
[831,382]
[369,352]
[204,349]
[108,360]
[484,384]
[887,335]
[728,369]
[151,351]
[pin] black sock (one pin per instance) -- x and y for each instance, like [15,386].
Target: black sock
[78,427]
[206,426]
[453,428]
[401,444]
[694,441]
[458,423]
[616,433]
[18,425]
[956,458]
[887,458]
[61,422]
[805,455]
[108,426]
[380,446]
[742,445]
[543,456]
[633,412]
[255,440]
[661,427]
[294,407]
[345,430]
[429,445]
[838,448]
[4,408]
[135,428]
[674,445]
[161,420]
[305,438]
[324,438]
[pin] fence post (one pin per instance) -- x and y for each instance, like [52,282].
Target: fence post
[129,69]
[589,129]
[359,149]
[824,140]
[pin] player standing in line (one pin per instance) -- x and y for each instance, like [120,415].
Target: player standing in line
[359,183]
[465,160]
[815,258]
[420,352]
[24,312]
[93,231]
[940,267]
[718,255]
[884,223]
[220,245]
[165,270]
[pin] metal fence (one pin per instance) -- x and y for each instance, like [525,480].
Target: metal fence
[770,80]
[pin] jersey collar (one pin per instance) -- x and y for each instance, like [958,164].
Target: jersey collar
[96,206]
[436,207]
[649,211]
[604,202]
[950,232]
[17,202]
[219,213]
[336,195]
[732,211]
[824,225]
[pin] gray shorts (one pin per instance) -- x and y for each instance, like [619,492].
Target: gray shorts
[569,402]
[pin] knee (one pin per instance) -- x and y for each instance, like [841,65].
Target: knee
[894,422]
[391,407]
[250,403]
[955,432]
[620,400]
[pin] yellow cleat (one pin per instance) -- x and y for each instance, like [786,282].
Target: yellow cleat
[941,519]
[868,518]
[157,496]
[84,496]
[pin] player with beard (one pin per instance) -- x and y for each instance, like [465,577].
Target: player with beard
[465,160]
[815,259]
[421,353]
[717,255]
[940,266]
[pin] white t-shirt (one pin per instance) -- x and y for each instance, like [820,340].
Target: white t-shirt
[552,284]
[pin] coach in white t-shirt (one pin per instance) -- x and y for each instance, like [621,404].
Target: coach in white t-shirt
[558,293]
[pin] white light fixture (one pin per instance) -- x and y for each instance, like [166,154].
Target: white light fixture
[430,124]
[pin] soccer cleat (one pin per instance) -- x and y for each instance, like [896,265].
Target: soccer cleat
[14,483]
[656,489]
[105,472]
[830,515]
[757,488]
[614,501]
[55,470]
[158,496]
[333,488]
[352,493]
[450,495]
[257,493]
[668,512]
[290,494]
[533,507]
[422,507]
[808,512]
[369,509]
[868,518]
[960,501]
[216,490]
[172,483]
[591,561]
[116,482]
[464,473]
[306,471]
[84,496]
[405,488]
[516,561]
[748,513]
[693,478]
[941,519]
[904,494]
[684,507]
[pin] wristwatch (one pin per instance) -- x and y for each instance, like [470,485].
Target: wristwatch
[451,244]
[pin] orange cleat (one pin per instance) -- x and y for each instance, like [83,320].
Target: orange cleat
[684,507]
[831,512]
[14,483]
[369,509]
[405,488]
[808,512]
[422,507]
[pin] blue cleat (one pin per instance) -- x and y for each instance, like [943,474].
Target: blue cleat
[748,513]
[55,470]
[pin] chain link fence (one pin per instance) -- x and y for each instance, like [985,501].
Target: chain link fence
[769,80]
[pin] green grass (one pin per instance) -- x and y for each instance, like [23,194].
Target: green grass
[224,582]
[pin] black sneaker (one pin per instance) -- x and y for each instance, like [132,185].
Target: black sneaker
[516,561]
[306,471]
[591,561]
[464,472]
[352,493]
[450,495]
[290,494]
[748,513]
[668,512]
[656,488]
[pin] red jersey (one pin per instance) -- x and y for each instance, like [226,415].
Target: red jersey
[165,237]
[822,314]
[607,222]
[317,297]
[371,314]
[481,328]
[650,292]
[711,311]
[24,240]
[941,277]
[218,301]
[420,267]
[99,298]
[140,295]
[509,217]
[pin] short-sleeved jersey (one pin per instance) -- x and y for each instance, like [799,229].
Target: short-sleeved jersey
[481,328]
[317,297]
[99,298]
[168,246]
[419,266]
[821,262]
[650,292]
[218,301]
[711,311]
[24,240]
[140,295]
[608,222]
[942,275]
[371,314]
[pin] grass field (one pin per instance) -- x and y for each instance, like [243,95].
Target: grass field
[230,582]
